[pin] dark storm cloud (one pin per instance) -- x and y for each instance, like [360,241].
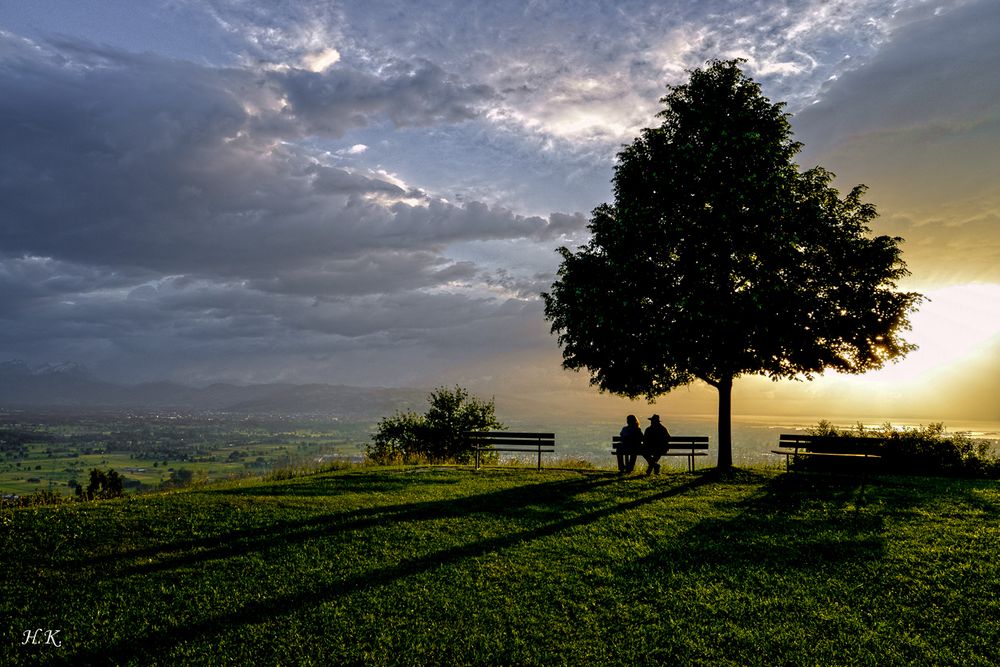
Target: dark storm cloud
[126,160]
[24,280]
[158,204]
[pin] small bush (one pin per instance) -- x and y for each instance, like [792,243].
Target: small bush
[436,436]
[179,478]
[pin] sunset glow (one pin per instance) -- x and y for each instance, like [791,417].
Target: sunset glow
[957,324]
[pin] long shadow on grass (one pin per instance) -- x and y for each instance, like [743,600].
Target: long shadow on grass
[556,498]
[322,485]
[543,499]
[221,545]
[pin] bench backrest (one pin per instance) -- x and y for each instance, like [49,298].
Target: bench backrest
[529,441]
[830,444]
[676,441]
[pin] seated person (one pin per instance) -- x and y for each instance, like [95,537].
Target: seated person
[631,443]
[656,441]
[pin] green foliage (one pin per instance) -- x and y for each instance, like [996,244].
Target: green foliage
[180,477]
[102,485]
[437,435]
[720,258]
[925,450]
[435,566]
[398,438]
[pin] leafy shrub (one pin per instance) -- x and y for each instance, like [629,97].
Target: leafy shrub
[437,435]
[398,437]
[924,450]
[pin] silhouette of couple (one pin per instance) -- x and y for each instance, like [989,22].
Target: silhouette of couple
[651,445]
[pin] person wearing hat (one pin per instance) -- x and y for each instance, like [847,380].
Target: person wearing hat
[656,441]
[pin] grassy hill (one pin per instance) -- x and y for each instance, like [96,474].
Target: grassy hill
[508,566]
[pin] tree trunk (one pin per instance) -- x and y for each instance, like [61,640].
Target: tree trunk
[725,388]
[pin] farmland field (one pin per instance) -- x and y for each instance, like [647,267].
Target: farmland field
[54,452]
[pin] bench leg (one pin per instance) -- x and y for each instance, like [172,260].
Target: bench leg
[477,458]
[539,458]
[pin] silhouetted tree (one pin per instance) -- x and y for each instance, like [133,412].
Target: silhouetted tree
[719,258]
[436,435]
[102,485]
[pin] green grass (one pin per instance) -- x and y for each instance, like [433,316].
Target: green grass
[508,566]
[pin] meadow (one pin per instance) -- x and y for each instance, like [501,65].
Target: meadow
[446,565]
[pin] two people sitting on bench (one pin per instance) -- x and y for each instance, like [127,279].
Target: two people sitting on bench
[651,445]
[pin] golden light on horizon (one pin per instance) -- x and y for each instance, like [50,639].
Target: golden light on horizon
[955,324]
[951,376]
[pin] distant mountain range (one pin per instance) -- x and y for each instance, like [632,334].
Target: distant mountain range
[70,386]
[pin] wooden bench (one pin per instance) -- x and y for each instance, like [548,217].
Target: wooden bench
[508,441]
[794,445]
[680,445]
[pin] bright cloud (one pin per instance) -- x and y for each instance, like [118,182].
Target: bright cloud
[321,60]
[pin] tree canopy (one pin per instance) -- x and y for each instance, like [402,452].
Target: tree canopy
[720,258]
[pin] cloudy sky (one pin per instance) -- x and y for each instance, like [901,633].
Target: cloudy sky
[371,192]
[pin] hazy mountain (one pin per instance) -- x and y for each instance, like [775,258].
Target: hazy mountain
[73,386]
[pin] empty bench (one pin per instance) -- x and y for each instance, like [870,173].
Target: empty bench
[793,446]
[507,441]
[680,445]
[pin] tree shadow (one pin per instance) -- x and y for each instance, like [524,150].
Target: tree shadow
[555,504]
[810,521]
[792,522]
[325,485]
[544,496]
